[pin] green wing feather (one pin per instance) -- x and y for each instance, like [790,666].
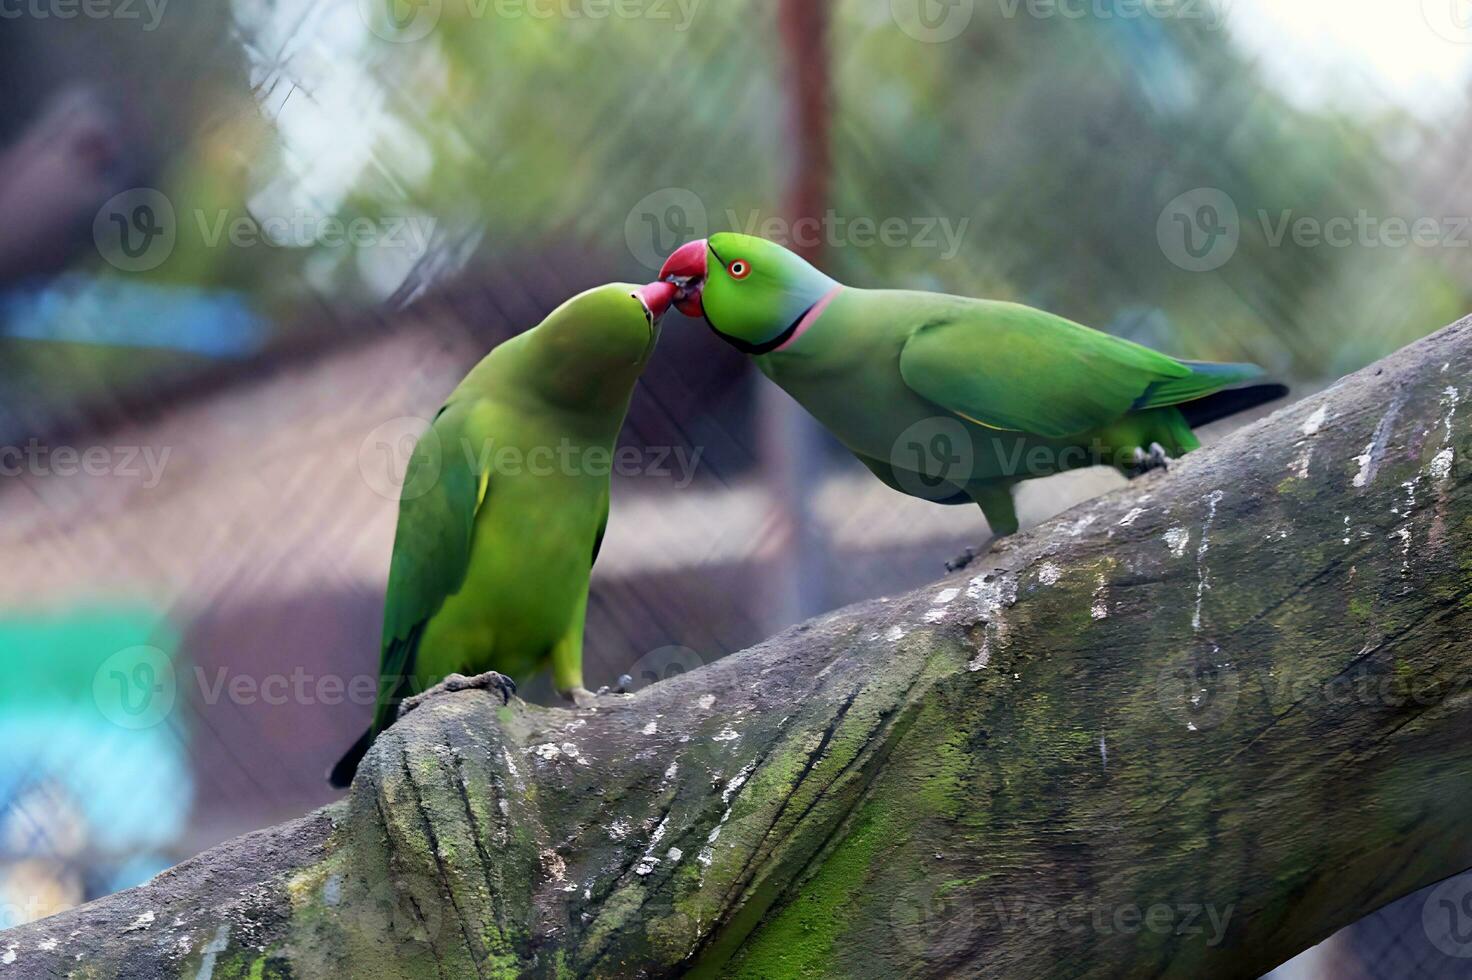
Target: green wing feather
[431,548]
[1012,367]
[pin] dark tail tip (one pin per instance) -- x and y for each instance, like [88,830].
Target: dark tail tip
[342,774]
[1224,404]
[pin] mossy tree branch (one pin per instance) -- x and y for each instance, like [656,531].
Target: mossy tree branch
[1188,729]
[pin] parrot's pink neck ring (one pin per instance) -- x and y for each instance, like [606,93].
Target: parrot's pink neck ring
[811,318]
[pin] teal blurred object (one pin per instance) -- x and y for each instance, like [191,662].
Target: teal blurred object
[123,313]
[95,786]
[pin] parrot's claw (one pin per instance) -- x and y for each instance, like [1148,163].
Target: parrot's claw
[962,560]
[582,697]
[1155,459]
[965,558]
[489,681]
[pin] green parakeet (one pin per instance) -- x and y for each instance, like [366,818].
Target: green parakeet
[504,506]
[948,398]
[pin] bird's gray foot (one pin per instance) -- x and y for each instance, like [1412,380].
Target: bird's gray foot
[581,696]
[489,681]
[965,558]
[1155,459]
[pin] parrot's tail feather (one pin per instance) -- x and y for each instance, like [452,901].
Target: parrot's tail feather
[342,774]
[1222,404]
[1204,379]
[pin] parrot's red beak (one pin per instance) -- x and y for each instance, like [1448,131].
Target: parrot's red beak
[685,269]
[656,297]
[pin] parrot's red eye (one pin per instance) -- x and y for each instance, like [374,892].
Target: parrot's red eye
[739,269]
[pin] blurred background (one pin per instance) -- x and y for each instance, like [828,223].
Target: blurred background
[247,247]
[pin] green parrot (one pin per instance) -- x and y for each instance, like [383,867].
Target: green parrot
[947,398]
[504,506]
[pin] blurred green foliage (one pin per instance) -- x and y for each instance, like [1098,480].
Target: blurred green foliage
[1054,143]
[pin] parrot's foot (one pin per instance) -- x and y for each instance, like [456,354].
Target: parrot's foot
[1155,459]
[584,698]
[489,681]
[965,558]
[581,696]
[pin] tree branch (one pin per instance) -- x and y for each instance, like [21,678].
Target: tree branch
[1188,729]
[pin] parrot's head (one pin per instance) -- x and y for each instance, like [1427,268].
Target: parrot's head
[753,293]
[611,325]
[592,349]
